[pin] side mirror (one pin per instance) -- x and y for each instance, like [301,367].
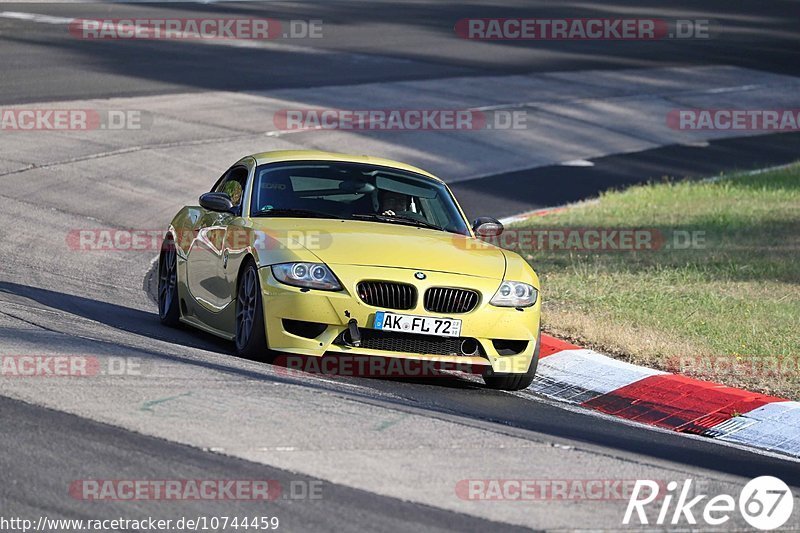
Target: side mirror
[487,227]
[217,201]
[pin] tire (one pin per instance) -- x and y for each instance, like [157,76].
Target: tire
[513,382]
[250,336]
[168,304]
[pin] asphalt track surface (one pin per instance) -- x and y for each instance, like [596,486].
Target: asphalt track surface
[396,41]
[54,434]
[501,194]
[63,460]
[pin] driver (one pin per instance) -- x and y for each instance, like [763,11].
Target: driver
[392,203]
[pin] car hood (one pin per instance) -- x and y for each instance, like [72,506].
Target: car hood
[367,243]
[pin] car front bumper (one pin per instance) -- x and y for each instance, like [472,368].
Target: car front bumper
[331,311]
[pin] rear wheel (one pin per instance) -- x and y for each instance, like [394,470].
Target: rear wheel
[168,310]
[515,381]
[251,337]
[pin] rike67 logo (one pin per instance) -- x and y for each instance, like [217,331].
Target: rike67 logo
[766,503]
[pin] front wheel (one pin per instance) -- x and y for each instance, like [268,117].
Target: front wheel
[168,310]
[251,338]
[516,381]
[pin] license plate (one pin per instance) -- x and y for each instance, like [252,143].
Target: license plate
[426,325]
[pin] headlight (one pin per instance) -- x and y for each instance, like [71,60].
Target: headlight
[311,275]
[515,294]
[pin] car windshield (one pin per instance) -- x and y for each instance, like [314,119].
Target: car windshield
[354,191]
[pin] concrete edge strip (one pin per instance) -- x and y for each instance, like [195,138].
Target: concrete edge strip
[670,401]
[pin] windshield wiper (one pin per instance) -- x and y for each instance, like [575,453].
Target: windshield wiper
[397,219]
[292,212]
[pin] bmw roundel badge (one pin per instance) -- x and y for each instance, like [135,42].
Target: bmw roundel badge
[419,275]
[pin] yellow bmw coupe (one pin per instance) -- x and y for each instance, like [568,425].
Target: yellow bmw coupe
[316,253]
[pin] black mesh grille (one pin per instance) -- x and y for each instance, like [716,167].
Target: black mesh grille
[447,300]
[393,341]
[387,294]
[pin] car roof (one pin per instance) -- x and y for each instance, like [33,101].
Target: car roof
[318,155]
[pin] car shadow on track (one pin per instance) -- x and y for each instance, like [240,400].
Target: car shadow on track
[117,316]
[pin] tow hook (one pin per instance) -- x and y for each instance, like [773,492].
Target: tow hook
[353,336]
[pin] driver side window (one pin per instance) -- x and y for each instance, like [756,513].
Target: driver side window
[233,183]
